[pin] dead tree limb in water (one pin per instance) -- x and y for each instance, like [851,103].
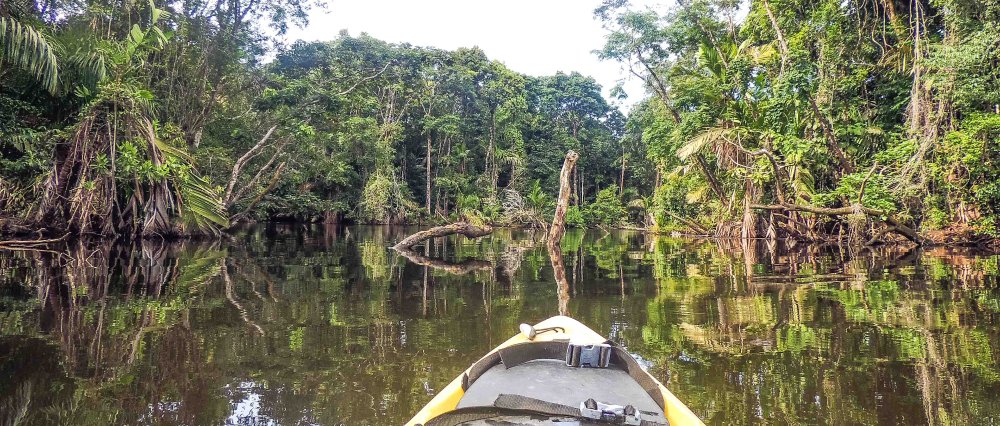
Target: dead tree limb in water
[463,228]
[890,222]
[461,268]
[31,243]
[558,228]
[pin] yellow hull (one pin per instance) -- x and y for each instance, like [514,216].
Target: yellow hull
[447,400]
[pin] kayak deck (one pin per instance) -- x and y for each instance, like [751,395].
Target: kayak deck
[527,376]
[554,381]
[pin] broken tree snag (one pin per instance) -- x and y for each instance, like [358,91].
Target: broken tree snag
[559,270]
[463,228]
[559,219]
[461,268]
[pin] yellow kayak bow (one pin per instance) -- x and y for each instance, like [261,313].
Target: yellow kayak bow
[538,372]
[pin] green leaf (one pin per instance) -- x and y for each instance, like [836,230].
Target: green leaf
[697,143]
[28,49]
[136,35]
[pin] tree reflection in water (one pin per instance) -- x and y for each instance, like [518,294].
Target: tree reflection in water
[327,325]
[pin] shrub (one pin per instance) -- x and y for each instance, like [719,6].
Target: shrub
[607,209]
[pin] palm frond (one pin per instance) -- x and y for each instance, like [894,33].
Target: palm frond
[174,151]
[638,203]
[697,194]
[699,142]
[201,204]
[91,64]
[709,58]
[804,182]
[509,158]
[28,49]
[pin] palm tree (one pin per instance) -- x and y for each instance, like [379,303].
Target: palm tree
[113,173]
[29,49]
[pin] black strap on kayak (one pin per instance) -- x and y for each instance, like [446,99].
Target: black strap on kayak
[516,403]
[503,402]
[513,356]
[523,403]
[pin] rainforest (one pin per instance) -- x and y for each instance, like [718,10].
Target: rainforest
[864,121]
[785,211]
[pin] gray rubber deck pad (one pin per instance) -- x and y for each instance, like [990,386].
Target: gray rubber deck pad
[553,381]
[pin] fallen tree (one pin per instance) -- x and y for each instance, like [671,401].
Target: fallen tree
[460,268]
[462,228]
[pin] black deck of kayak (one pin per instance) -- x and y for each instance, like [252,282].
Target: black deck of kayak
[554,381]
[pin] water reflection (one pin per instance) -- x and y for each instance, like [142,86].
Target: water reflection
[295,324]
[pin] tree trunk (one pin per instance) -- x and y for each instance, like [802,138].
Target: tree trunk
[429,141]
[621,184]
[558,227]
[831,139]
[573,190]
[781,37]
[712,180]
[157,221]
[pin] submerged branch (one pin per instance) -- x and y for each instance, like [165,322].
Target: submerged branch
[888,220]
[31,243]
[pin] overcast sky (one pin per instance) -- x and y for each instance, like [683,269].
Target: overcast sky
[534,37]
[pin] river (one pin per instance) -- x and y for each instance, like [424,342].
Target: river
[305,324]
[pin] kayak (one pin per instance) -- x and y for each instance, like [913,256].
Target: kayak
[558,371]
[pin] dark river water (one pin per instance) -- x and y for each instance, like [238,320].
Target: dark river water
[292,324]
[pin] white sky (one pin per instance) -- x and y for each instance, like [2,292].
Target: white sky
[534,37]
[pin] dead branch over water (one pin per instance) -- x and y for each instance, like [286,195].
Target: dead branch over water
[462,228]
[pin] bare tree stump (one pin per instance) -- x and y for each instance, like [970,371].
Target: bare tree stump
[558,228]
[463,228]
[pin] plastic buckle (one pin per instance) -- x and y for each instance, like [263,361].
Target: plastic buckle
[610,413]
[588,356]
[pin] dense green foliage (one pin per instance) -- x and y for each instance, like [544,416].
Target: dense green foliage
[803,119]
[886,105]
[165,120]
[395,133]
